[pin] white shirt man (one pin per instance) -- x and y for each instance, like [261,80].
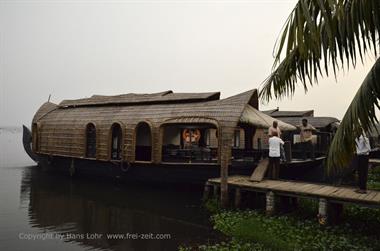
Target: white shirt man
[362,145]
[274,156]
[275,146]
[361,161]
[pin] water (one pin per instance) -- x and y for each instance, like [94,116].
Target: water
[45,211]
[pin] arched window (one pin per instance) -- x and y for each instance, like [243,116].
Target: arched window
[143,149]
[90,141]
[236,139]
[116,142]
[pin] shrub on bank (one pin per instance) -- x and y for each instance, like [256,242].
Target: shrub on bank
[289,233]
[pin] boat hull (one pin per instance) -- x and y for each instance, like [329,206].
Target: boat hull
[171,173]
[310,170]
[186,174]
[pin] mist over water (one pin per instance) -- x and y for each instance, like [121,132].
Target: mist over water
[41,210]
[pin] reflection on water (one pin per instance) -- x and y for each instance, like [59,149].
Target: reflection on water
[77,214]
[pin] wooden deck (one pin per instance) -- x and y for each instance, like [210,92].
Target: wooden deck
[374,161]
[302,189]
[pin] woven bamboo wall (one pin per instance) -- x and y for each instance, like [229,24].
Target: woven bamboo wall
[61,131]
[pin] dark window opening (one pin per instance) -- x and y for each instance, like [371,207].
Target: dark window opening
[143,151]
[116,142]
[90,141]
[236,143]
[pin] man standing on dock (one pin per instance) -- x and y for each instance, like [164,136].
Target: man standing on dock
[361,161]
[274,155]
[306,136]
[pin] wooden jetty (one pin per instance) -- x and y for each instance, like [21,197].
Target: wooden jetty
[331,198]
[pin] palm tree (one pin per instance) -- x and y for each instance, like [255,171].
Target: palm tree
[318,35]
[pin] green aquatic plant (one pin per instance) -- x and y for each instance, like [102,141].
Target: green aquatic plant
[297,230]
[290,233]
[212,205]
[229,246]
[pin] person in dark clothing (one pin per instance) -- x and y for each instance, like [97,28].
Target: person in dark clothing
[361,161]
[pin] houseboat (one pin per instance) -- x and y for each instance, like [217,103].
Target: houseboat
[164,137]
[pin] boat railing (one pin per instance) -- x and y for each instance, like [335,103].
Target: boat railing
[320,146]
[246,155]
[194,154]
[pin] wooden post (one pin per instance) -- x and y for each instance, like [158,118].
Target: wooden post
[270,205]
[237,197]
[323,211]
[225,158]
[224,184]
[329,213]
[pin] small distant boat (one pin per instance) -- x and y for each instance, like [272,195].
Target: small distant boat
[164,137]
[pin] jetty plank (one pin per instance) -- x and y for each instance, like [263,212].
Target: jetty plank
[338,194]
[370,196]
[377,198]
[259,172]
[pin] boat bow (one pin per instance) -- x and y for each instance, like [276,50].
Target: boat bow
[27,142]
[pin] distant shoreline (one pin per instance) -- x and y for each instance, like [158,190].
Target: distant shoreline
[11,128]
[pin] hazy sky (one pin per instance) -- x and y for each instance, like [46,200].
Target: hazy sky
[73,49]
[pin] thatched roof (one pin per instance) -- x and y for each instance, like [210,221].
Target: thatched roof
[276,113]
[317,122]
[146,107]
[46,108]
[159,108]
[133,98]
[254,117]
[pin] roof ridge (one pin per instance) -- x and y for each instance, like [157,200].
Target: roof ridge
[146,98]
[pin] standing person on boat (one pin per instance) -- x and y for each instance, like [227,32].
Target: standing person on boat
[274,128]
[361,161]
[306,136]
[274,155]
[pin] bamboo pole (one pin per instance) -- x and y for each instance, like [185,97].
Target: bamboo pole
[225,159]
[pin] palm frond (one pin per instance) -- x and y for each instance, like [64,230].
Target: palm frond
[360,116]
[317,34]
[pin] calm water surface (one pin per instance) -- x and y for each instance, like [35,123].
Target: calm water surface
[61,213]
